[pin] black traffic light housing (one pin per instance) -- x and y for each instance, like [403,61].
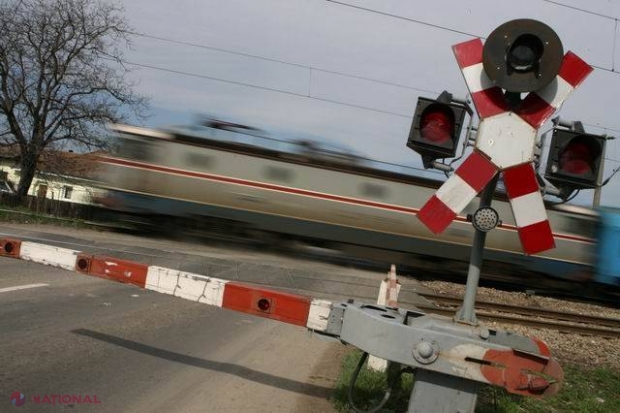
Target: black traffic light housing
[575,160]
[522,55]
[436,127]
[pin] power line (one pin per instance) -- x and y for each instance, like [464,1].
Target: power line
[267,59]
[395,16]
[217,79]
[311,68]
[291,64]
[184,73]
[178,72]
[437,26]
[566,6]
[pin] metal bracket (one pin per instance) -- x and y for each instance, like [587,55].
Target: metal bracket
[438,344]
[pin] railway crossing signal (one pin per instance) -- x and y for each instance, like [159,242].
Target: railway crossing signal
[436,127]
[452,356]
[575,160]
[520,56]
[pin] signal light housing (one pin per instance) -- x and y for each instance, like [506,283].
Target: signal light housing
[522,55]
[575,160]
[436,127]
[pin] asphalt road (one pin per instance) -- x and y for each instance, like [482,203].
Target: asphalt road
[139,351]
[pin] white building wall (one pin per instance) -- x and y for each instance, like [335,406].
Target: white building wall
[81,192]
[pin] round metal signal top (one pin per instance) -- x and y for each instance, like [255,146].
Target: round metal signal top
[485,219]
[522,55]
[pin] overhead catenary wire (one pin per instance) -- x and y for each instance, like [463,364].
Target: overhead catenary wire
[310,68]
[284,62]
[275,90]
[446,28]
[178,72]
[266,88]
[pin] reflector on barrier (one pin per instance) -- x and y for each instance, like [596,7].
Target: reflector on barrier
[289,308]
[10,247]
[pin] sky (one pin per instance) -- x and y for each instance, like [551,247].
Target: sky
[350,72]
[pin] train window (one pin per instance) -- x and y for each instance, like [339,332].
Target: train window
[134,149]
[374,190]
[199,160]
[279,174]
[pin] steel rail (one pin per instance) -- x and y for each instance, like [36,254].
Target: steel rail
[529,311]
[561,326]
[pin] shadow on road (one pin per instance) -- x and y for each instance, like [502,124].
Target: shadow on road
[229,368]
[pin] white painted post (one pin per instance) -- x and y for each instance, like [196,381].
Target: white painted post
[388,296]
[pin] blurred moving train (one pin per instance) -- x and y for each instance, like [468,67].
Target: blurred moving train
[228,177]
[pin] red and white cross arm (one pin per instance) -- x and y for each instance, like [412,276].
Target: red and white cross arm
[528,209]
[487,98]
[263,302]
[539,106]
[458,191]
[505,143]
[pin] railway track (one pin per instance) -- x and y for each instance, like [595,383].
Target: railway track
[488,311]
[562,321]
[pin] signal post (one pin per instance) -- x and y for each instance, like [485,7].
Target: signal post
[520,56]
[450,357]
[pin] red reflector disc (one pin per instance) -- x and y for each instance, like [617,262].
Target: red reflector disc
[264,304]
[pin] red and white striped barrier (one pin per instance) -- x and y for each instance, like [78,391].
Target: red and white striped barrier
[505,143]
[263,302]
[519,372]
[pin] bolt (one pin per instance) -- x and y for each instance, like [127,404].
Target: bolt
[425,349]
[538,384]
[484,333]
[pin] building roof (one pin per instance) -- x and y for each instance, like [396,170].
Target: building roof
[77,165]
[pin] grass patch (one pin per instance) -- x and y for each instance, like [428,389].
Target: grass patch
[585,390]
[369,388]
[23,215]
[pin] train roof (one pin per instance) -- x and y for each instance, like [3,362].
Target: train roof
[305,154]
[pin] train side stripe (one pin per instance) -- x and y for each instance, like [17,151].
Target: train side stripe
[262,185]
[355,201]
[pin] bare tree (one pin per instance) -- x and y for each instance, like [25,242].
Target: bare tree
[61,76]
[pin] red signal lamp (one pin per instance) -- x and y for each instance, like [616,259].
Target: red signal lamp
[436,127]
[575,160]
[437,124]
